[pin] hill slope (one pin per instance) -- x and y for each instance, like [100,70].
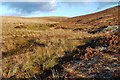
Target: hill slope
[79,47]
[11,19]
[102,18]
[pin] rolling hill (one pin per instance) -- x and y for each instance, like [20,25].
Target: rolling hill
[103,18]
[51,48]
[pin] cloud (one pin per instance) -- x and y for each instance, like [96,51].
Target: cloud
[23,8]
[105,4]
[100,5]
[59,0]
[28,8]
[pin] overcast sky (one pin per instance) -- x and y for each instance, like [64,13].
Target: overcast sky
[52,8]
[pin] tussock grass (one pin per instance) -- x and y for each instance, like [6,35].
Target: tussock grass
[26,50]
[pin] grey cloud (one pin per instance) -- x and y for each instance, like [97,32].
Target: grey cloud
[30,7]
[25,8]
[101,5]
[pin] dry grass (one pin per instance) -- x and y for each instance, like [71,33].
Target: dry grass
[24,57]
[30,46]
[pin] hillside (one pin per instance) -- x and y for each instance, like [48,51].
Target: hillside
[13,19]
[102,18]
[58,48]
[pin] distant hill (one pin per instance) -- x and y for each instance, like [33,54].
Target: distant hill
[13,19]
[102,18]
[95,20]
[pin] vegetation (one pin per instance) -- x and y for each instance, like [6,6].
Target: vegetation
[59,50]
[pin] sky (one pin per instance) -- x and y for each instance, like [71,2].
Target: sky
[52,8]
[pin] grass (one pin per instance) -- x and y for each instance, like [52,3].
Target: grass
[31,47]
[37,27]
[24,53]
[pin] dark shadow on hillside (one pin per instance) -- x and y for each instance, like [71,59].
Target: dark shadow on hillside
[81,50]
[68,57]
[97,30]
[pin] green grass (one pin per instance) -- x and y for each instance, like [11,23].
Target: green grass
[37,27]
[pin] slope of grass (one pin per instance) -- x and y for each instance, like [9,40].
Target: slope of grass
[38,49]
